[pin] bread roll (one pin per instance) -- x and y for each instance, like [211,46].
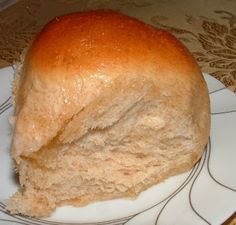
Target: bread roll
[105,107]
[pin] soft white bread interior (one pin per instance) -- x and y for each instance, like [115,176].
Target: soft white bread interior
[106,106]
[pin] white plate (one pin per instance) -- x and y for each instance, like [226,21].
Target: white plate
[204,195]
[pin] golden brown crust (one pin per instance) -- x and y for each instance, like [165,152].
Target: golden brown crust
[90,42]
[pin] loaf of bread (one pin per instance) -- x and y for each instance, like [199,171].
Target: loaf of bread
[105,107]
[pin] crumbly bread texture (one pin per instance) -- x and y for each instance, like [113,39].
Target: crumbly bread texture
[106,107]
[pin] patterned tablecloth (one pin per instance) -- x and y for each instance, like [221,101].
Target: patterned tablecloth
[207,28]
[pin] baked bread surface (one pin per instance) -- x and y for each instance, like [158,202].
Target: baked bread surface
[105,107]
